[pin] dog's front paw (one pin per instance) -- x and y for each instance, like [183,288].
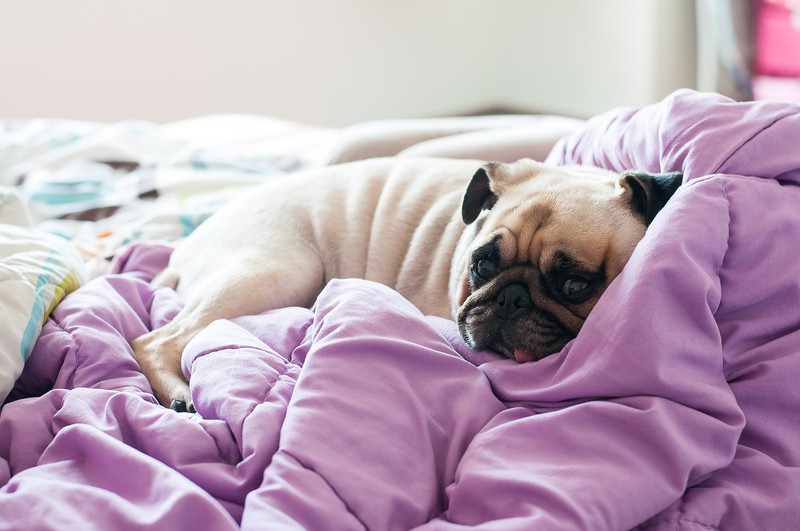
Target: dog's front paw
[177,395]
[161,366]
[172,390]
[181,406]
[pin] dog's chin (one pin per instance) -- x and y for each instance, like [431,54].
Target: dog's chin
[529,338]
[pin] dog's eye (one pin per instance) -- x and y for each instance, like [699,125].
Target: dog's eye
[575,287]
[484,263]
[486,268]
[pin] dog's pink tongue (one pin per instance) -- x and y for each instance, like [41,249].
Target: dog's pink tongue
[522,356]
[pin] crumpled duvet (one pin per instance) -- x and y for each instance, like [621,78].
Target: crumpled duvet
[675,407]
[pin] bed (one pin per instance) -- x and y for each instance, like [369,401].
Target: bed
[675,407]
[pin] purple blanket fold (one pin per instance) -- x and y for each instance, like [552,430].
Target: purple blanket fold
[675,407]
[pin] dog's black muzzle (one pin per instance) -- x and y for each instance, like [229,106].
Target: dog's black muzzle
[512,301]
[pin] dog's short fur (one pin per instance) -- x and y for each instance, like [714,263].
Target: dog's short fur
[517,253]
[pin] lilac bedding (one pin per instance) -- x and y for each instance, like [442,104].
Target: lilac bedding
[675,408]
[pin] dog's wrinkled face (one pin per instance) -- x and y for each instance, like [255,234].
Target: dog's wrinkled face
[552,241]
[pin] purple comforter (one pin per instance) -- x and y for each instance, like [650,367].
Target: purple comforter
[675,408]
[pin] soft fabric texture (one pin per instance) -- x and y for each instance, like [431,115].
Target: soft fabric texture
[502,138]
[713,289]
[675,407]
[36,271]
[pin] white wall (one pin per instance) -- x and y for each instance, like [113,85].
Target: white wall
[582,57]
[337,62]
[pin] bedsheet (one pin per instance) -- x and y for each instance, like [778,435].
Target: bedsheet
[36,271]
[105,185]
[674,408]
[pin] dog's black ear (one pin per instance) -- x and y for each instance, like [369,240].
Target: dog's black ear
[649,192]
[479,195]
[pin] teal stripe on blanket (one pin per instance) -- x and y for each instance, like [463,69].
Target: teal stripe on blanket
[190,222]
[38,309]
[187,223]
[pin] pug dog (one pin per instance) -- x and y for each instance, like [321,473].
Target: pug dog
[518,254]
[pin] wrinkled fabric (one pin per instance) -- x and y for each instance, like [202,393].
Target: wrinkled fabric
[300,412]
[738,208]
[674,408]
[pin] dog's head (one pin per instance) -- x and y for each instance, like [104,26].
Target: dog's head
[551,242]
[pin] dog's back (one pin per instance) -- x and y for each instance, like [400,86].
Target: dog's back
[394,221]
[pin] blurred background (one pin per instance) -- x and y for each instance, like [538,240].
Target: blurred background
[336,63]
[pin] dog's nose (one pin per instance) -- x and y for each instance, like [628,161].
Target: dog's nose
[512,300]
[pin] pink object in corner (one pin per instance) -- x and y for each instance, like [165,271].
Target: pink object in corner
[776,88]
[778,38]
[777,54]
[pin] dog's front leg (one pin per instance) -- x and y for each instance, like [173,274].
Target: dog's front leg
[223,294]
[158,354]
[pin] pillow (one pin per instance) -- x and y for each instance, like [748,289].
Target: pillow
[37,270]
